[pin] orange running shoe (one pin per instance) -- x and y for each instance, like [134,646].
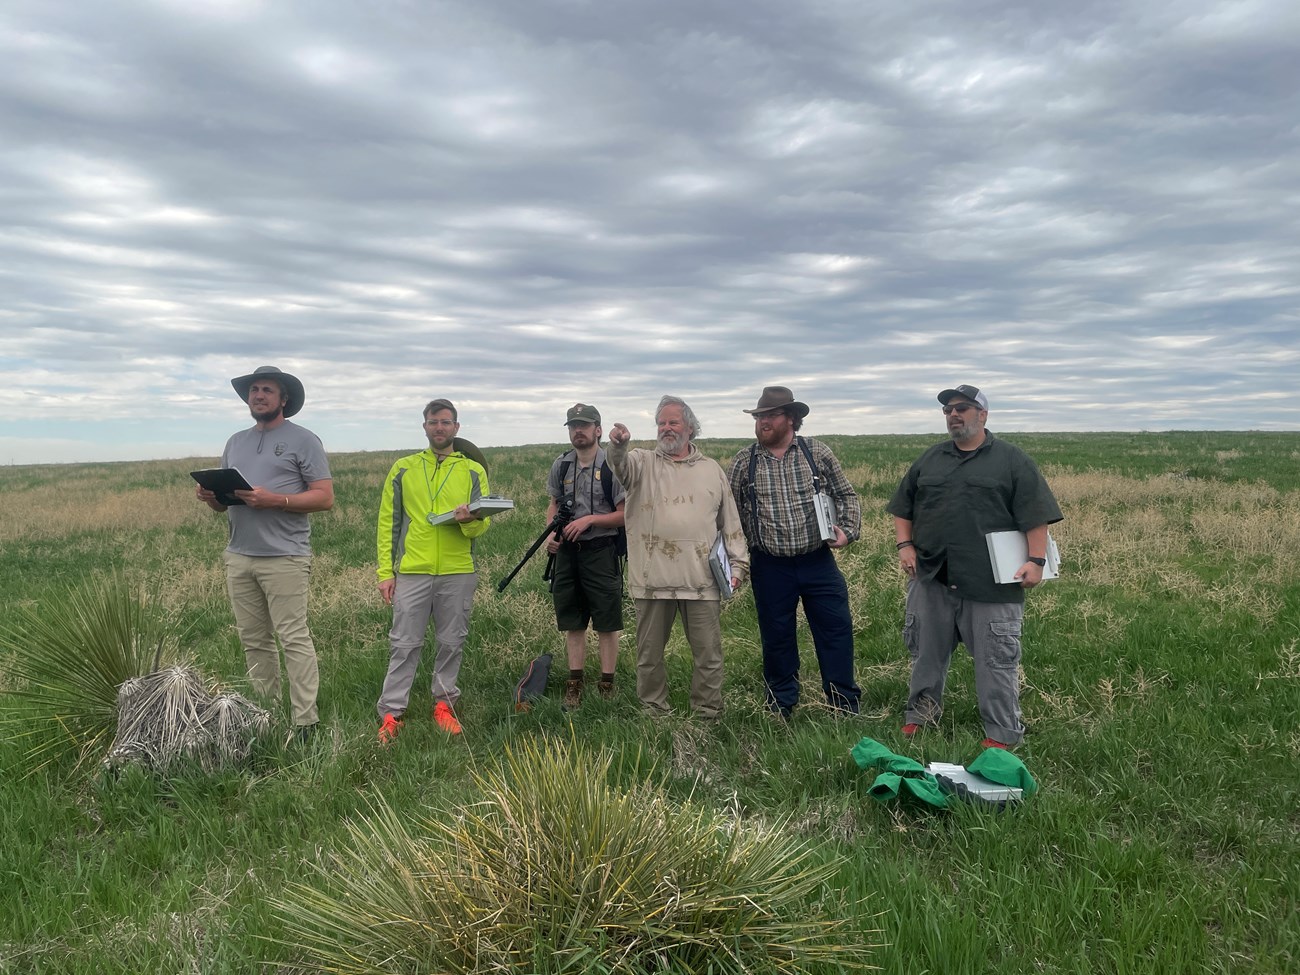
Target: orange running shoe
[389,729]
[446,718]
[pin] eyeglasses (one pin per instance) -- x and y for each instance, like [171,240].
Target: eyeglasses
[959,408]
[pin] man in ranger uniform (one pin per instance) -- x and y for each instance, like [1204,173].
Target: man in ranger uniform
[427,570]
[587,582]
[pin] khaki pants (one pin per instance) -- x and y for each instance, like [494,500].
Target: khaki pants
[702,624]
[269,598]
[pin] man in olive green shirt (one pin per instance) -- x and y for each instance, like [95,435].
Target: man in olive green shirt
[956,493]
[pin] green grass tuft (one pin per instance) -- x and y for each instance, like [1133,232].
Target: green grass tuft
[555,869]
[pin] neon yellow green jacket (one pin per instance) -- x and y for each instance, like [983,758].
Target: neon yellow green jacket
[417,486]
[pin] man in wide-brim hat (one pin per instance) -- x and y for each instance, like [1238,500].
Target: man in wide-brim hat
[268,560]
[774,481]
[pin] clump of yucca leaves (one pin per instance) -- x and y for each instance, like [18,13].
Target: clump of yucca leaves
[170,715]
[68,657]
[98,661]
[557,870]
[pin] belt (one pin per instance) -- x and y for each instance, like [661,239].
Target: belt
[592,544]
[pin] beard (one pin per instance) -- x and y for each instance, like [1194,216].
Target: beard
[269,416]
[674,443]
[963,430]
[772,436]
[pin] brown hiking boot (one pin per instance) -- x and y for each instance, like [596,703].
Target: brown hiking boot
[605,688]
[572,694]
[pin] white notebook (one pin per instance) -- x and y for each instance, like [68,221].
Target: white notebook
[487,505]
[1008,551]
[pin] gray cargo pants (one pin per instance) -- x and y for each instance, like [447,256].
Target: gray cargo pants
[448,600]
[936,620]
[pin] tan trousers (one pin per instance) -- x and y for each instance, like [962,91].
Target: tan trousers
[702,624]
[269,598]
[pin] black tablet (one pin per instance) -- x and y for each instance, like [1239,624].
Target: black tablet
[223,482]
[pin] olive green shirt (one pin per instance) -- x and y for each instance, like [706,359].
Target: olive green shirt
[953,498]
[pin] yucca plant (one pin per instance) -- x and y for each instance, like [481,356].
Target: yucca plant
[170,715]
[556,870]
[68,657]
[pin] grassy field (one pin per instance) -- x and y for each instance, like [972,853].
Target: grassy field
[1161,689]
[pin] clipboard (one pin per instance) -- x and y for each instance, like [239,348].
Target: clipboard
[720,566]
[223,482]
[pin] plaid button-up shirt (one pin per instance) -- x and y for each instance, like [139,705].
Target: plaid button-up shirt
[783,521]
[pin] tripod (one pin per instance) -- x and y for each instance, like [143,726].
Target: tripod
[563,515]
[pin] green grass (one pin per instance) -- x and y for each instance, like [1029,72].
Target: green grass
[1162,677]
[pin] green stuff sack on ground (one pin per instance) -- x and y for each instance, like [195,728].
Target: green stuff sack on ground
[899,775]
[1000,766]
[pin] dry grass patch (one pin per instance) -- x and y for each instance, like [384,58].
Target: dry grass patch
[83,506]
[1126,532]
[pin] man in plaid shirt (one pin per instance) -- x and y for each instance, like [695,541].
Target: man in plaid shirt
[773,482]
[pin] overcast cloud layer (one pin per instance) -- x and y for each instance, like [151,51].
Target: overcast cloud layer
[1087,208]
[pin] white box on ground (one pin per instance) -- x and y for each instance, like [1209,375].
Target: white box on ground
[955,778]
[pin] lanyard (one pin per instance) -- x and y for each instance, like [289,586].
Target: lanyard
[433,495]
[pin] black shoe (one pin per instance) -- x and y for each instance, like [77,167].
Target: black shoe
[304,733]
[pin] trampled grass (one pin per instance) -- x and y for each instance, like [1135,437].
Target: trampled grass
[1162,687]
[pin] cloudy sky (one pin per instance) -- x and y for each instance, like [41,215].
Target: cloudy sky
[1087,208]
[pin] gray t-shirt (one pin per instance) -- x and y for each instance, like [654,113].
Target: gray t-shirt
[284,460]
[583,486]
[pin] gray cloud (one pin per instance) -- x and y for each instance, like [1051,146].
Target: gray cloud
[1087,208]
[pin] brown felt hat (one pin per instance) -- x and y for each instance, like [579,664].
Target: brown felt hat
[778,398]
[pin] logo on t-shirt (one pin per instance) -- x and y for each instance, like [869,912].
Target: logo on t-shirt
[280,448]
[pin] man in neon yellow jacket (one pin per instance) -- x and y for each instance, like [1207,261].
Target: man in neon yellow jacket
[427,570]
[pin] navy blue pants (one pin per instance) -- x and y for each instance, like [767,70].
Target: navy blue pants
[779,583]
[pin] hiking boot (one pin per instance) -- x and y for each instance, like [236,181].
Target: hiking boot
[446,718]
[389,729]
[605,689]
[910,729]
[304,733]
[990,743]
[572,694]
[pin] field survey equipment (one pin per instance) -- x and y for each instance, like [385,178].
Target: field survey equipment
[563,515]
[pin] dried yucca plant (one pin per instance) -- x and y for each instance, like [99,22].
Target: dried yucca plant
[169,715]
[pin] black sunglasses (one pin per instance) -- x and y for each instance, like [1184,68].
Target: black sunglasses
[959,408]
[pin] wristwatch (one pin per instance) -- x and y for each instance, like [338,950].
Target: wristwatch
[1038,562]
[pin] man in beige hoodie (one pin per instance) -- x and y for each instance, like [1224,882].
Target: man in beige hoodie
[678,502]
